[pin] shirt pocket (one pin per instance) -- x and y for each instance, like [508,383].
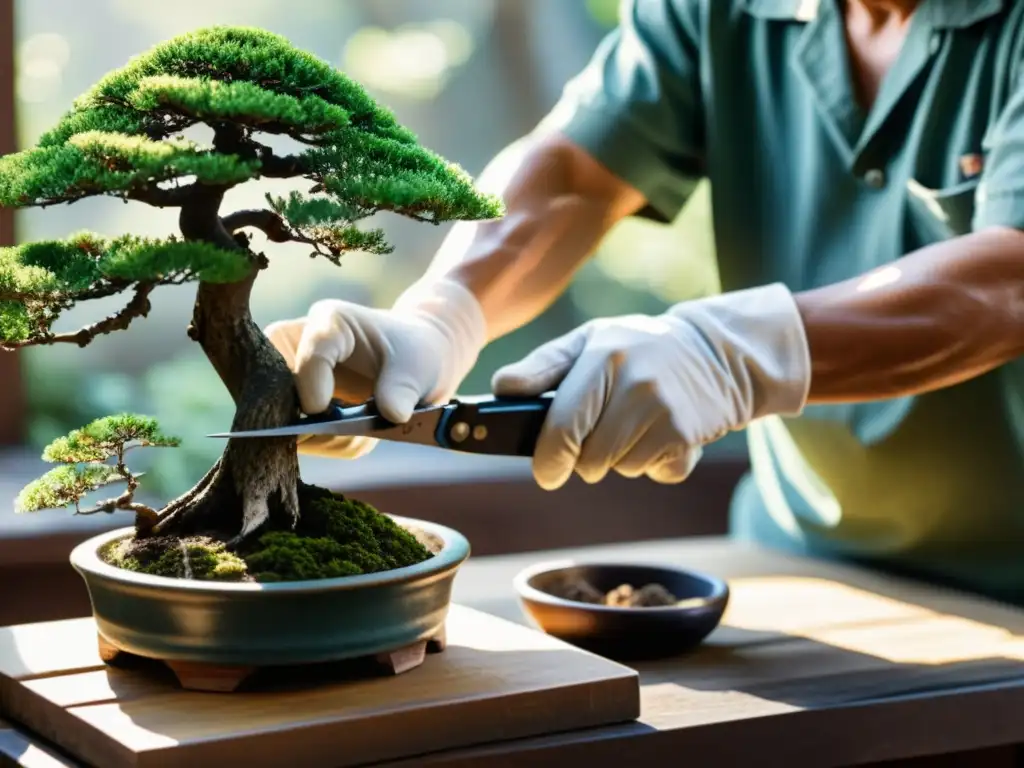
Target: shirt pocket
[940,214]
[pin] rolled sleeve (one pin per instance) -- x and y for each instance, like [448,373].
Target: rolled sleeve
[637,106]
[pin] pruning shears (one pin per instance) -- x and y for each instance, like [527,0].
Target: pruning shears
[483,424]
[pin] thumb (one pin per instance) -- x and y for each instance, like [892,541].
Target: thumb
[326,341]
[398,391]
[543,369]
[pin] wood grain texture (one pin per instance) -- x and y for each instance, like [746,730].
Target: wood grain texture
[816,664]
[495,680]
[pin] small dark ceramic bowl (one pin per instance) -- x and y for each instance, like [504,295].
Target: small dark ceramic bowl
[624,633]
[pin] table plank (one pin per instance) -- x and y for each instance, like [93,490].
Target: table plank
[813,658]
[18,750]
[494,681]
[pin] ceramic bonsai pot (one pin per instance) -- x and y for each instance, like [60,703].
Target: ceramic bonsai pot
[284,623]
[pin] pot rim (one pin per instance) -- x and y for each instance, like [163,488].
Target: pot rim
[454,551]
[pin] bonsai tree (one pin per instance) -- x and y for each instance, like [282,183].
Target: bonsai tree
[123,138]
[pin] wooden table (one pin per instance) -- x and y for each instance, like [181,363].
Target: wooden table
[815,665]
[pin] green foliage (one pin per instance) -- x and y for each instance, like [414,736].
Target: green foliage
[363,174]
[52,266]
[108,437]
[119,137]
[302,211]
[195,557]
[341,239]
[103,162]
[85,260]
[82,452]
[240,102]
[323,222]
[39,280]
[122,138]
[15,321]
[235,54]
[238,75]
[141,259]
[369,173]
[64,485]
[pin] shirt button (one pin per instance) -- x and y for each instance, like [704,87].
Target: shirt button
[875,178]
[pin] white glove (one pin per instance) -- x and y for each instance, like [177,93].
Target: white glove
[640,395]
[417,352]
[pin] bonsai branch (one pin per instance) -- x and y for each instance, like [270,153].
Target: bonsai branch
[145,516]
[139,306]
[200,220]
[163,197]
[271,224]
[276,167]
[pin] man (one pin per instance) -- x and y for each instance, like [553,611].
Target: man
[866,159]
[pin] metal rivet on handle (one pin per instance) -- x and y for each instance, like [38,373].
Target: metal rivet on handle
[460,431]
[479,432]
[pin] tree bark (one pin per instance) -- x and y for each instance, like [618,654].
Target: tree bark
[255,481]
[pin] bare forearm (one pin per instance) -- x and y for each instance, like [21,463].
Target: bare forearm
[559,204]
[939,316]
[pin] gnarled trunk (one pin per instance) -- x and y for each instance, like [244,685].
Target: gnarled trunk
[255,480]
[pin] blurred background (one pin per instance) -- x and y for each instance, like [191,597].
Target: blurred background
[468,76]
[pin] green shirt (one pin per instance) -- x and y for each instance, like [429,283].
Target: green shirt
[808,189]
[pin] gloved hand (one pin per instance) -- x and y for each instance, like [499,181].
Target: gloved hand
[641,395]
[417,352]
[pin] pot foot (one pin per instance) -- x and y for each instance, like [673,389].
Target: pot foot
[218,678]
[212,678]
[438,642]
[108,653]
[403,659]
[411,656]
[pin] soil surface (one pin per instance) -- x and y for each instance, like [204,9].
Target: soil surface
[335,536]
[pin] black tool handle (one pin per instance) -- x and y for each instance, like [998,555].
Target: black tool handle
[499,426]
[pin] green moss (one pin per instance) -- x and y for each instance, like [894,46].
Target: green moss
[196,557]
[337,537]
[282,556]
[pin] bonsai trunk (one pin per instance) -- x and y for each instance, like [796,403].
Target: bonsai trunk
[257,480]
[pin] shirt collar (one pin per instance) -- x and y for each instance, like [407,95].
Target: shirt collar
[941,13]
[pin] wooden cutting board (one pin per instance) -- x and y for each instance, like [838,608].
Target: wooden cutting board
[496,680]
